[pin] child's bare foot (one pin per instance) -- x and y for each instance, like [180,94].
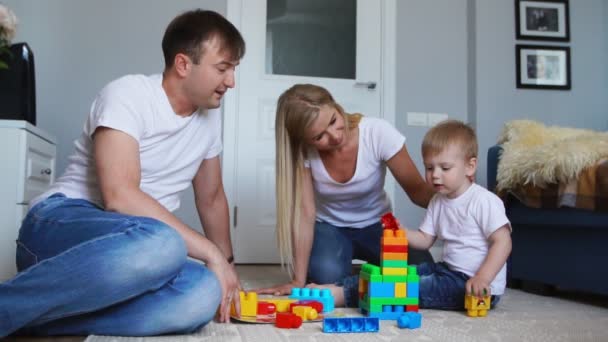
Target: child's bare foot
[336,291]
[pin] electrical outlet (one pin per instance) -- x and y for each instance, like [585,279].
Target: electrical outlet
[417,119]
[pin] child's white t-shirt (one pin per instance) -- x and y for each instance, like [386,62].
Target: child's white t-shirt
[361,201]
[171,147]
[464,224]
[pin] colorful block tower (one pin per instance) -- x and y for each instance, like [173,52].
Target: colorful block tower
[390,290]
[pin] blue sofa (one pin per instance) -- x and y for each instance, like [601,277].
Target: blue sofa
[566,247]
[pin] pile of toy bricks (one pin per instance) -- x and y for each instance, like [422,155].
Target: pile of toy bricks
[392,289]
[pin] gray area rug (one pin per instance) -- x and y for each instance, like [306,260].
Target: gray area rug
[520,316]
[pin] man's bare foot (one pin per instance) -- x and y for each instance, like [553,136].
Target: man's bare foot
[336,291]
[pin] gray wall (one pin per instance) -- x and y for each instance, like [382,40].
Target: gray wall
[453,56]
[80,45]
[458,57]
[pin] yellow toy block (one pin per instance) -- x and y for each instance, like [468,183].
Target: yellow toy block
[393,237]
[476,306]
[400,290]
[394,256]
[281,304]
[305,312]
[249,304]
[394,271]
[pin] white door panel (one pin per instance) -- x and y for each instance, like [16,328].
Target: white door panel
[265,73]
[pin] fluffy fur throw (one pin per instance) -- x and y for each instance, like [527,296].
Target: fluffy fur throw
[536,154]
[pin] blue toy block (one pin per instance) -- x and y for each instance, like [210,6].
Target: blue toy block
[324,296]
[413,290]
[350,324]
[410,320]
[381,289]
[389,312]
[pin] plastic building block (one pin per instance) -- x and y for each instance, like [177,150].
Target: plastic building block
[410,320]
[388,312]
[266,308]
[393,263]
[476,306]
[393,237]
[393,256]
[389,221]
[410,308]
[350,324]
[394,249]
[249,304]
[400,290]
[381,289]
[307,313]
[287,320]
[394,271]
[312,303]
[282,305]
[324,296]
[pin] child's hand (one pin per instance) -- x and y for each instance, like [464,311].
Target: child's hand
[477,286]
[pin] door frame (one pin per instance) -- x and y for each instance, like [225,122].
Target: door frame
[231,100]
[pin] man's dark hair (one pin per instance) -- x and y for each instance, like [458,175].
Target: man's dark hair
[188,31]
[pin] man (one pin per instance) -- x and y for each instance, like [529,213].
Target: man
[100,252]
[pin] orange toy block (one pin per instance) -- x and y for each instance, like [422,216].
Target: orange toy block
[394,256]
[393,237]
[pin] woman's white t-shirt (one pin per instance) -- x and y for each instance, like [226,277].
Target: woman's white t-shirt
[171,147]
[361,201]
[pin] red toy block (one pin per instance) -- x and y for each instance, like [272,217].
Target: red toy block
[394,249]
[413,308]
[287,320]
[312,303]
[389,221]
[265,308]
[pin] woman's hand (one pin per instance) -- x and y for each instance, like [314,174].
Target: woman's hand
[280,290]
[229,281]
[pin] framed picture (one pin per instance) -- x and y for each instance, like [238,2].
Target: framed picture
[543,67]
[542,20]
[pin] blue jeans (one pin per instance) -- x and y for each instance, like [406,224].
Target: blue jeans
[442,288]
[83,270]
[334,249]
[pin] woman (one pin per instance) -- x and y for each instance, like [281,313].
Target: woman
[330,170]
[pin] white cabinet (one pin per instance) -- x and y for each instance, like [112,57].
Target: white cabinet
[27,169]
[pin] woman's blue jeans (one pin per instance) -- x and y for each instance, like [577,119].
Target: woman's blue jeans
[83,270]
[334,249]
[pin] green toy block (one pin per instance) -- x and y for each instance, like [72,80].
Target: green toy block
[370,273]
[393,301]
[413,278]
[394,263]
[412,270]
[395,279]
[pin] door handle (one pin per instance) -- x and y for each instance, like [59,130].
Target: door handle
[369,85]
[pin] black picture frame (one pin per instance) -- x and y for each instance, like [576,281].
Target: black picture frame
[543,67]
[542,20]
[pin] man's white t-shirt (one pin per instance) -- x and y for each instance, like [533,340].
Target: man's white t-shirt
[171,147]
[464,224]
[361,201]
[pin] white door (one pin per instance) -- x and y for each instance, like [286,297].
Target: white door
[336,44]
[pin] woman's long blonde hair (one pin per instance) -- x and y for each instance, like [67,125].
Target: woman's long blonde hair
[297,108]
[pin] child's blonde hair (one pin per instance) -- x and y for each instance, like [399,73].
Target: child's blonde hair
[447,133]
[297,108]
